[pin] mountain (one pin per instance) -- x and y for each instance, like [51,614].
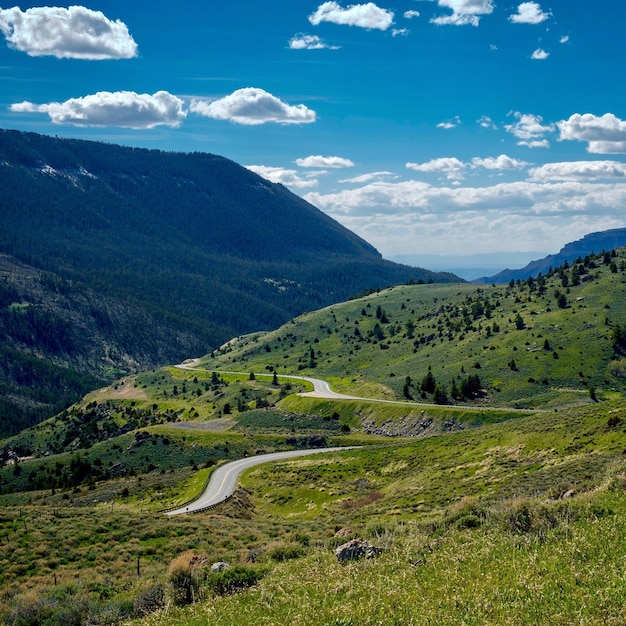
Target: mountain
[495,352]
[593,242]
[117,259]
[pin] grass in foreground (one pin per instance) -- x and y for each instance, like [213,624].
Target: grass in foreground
[472,523]
[568,569]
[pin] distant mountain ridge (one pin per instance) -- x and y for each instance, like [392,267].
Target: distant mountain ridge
[591,243]
[136,258]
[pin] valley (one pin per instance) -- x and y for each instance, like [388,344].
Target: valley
[139,258]
[481,448]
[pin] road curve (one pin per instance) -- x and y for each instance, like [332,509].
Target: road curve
[224,478]
[321,389]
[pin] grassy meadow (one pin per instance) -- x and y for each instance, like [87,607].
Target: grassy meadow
[494,481]
[538,344]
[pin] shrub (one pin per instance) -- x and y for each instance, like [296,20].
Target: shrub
[234,579]
[538,518]
[149,600]
[303,539]
[29,610]
[285,552]
[32,609]
[183,578]
[467,513]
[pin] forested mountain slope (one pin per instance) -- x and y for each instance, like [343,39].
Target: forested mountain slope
[118,258]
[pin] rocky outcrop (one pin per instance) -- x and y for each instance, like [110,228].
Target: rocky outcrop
[356,549]
[220,566]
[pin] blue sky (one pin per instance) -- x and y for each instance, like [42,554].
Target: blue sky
[428,127]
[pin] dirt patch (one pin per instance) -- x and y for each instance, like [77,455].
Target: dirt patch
[124,389]
[215,426]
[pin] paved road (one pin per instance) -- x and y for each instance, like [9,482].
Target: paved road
[321,389]
[224,478]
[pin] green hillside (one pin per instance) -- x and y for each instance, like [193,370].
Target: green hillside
[114,260]
[502,505]
[538,343]
[466,522]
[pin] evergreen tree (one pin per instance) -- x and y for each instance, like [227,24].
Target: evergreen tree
[428,382]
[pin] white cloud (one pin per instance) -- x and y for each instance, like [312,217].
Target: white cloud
[604,135]
[539,54]
[564,39]
[502,162]
[450,166]
[579,171]
[411,14]
[125,109]
[607,147]
[537,215]
[486,122]
[529,13]
[530,131]
[72,33]
[287,177]
[447,125]
[252,106]
[322,161]
[363,15]
[396,32]
[302,41]
[464,12]
[366,178]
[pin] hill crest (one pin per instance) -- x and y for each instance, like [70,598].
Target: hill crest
[174,253]
[591,243]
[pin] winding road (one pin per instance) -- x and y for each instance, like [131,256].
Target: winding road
[321,389]
[224,479]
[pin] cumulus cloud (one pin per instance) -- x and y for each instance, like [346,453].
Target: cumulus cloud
[564,39]
[526,196]
[287,177]
[447,125]
[451,167]
[539,54]
[309,42]
[538,215]
[529,13]
[464,12]
[125,109]
[72,33]
[324,161]
[397,32]
[363,15]
[411,14]
[579,170]
[502,162]
[605,134]
[252,106]
[530,131]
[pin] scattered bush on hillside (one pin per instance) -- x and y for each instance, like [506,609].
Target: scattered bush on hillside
[65,606]
[538,518]
[184,577]
[149,600]
[285,551]
[234,579]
